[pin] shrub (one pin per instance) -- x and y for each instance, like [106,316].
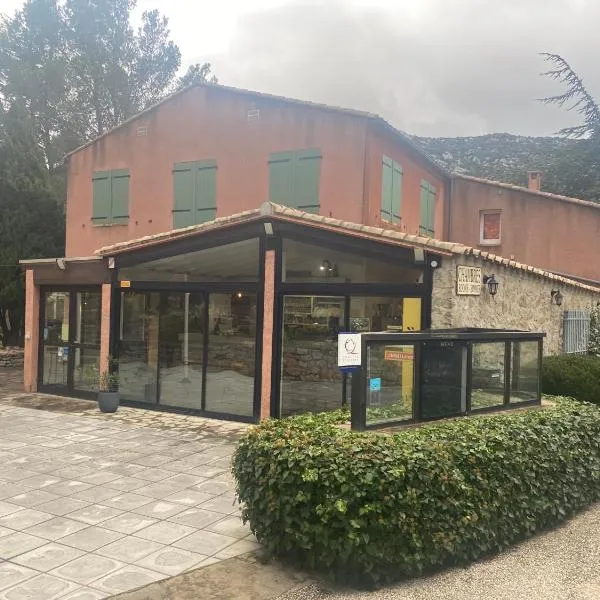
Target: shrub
[377,507]
[572,375]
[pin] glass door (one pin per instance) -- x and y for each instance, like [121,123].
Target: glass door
[182,327]
[55,334]
[70,342]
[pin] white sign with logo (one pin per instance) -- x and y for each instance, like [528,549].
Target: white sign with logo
[349,351]
[468,281]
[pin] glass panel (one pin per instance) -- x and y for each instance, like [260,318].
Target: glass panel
[181,350]
[305,263]
[390,383]
[231,353]
[232,262]
[87,341]
[524,380]
[55,338]
[138,353]
[310,379]
[487,380]
[443,379]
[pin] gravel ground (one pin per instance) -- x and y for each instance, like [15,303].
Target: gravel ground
[563,564]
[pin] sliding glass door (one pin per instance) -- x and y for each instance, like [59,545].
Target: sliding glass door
[189,350]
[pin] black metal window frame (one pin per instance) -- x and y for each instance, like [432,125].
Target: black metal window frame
[343,242]
[468,338]
[69,390]
[187,245]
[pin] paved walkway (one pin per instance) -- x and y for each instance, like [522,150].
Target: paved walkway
[92,505]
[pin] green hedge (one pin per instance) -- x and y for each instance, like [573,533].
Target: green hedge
[572,375]
[374,507]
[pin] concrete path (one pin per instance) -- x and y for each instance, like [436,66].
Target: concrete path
[92,505]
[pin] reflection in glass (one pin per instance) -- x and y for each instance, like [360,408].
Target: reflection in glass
[231,353]
[231,262]
[487,375]
[390,383]
[307,263]
[86,360]
[181,350]
[310,378]
[55,336]
[524,381]
[138,353]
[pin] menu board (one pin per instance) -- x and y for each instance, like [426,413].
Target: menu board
[443,383]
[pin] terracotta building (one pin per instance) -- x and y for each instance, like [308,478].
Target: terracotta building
[217,243]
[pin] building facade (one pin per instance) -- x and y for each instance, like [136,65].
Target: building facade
[209,303]
[211,151]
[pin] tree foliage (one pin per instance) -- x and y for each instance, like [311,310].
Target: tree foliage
[31,221]
[69,71]
[576,97]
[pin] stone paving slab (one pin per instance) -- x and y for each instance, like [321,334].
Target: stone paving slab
[92,505]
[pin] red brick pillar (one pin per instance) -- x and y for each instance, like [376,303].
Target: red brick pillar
[32,332]
[105,327]
[267,341]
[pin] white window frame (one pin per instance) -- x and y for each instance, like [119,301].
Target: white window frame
[482,240]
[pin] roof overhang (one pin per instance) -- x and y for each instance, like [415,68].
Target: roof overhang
[88,270]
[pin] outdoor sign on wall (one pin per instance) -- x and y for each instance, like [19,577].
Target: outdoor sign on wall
[349,351]
[468,281]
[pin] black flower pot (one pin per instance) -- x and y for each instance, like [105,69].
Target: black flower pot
[108,402]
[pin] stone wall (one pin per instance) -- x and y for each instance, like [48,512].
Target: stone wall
[310,360]
[522,302]
[11,357]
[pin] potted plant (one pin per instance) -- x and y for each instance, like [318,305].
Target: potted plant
[108,394]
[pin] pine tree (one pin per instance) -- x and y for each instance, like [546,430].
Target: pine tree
[31,220]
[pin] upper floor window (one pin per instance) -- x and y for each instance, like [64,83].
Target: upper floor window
[490,227]
[294,179]
[391,190]
[194,192]
[428,198]
[110,197]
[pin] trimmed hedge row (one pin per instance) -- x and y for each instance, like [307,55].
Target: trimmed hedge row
[372,507]
[572,375]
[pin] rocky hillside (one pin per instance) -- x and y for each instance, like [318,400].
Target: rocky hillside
[567,166]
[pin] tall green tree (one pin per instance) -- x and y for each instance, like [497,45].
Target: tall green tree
[577,171]
[80,67]
[31,221]
[197,73]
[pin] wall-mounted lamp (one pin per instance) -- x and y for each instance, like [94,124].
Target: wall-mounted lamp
[556,297]
[492,284]
[268,229]
[328,268]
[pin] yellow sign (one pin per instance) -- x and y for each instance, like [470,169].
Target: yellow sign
[125,284]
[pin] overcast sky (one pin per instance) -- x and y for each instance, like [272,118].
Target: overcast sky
[431,67]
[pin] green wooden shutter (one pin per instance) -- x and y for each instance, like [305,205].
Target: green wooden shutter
[120,196]
[431,207]
[101,202]
[206,191]
[306,182]
[387,188]
[281,178]
[183,195]
[424,208]
[396,199]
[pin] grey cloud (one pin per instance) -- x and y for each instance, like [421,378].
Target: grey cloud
[463,67]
